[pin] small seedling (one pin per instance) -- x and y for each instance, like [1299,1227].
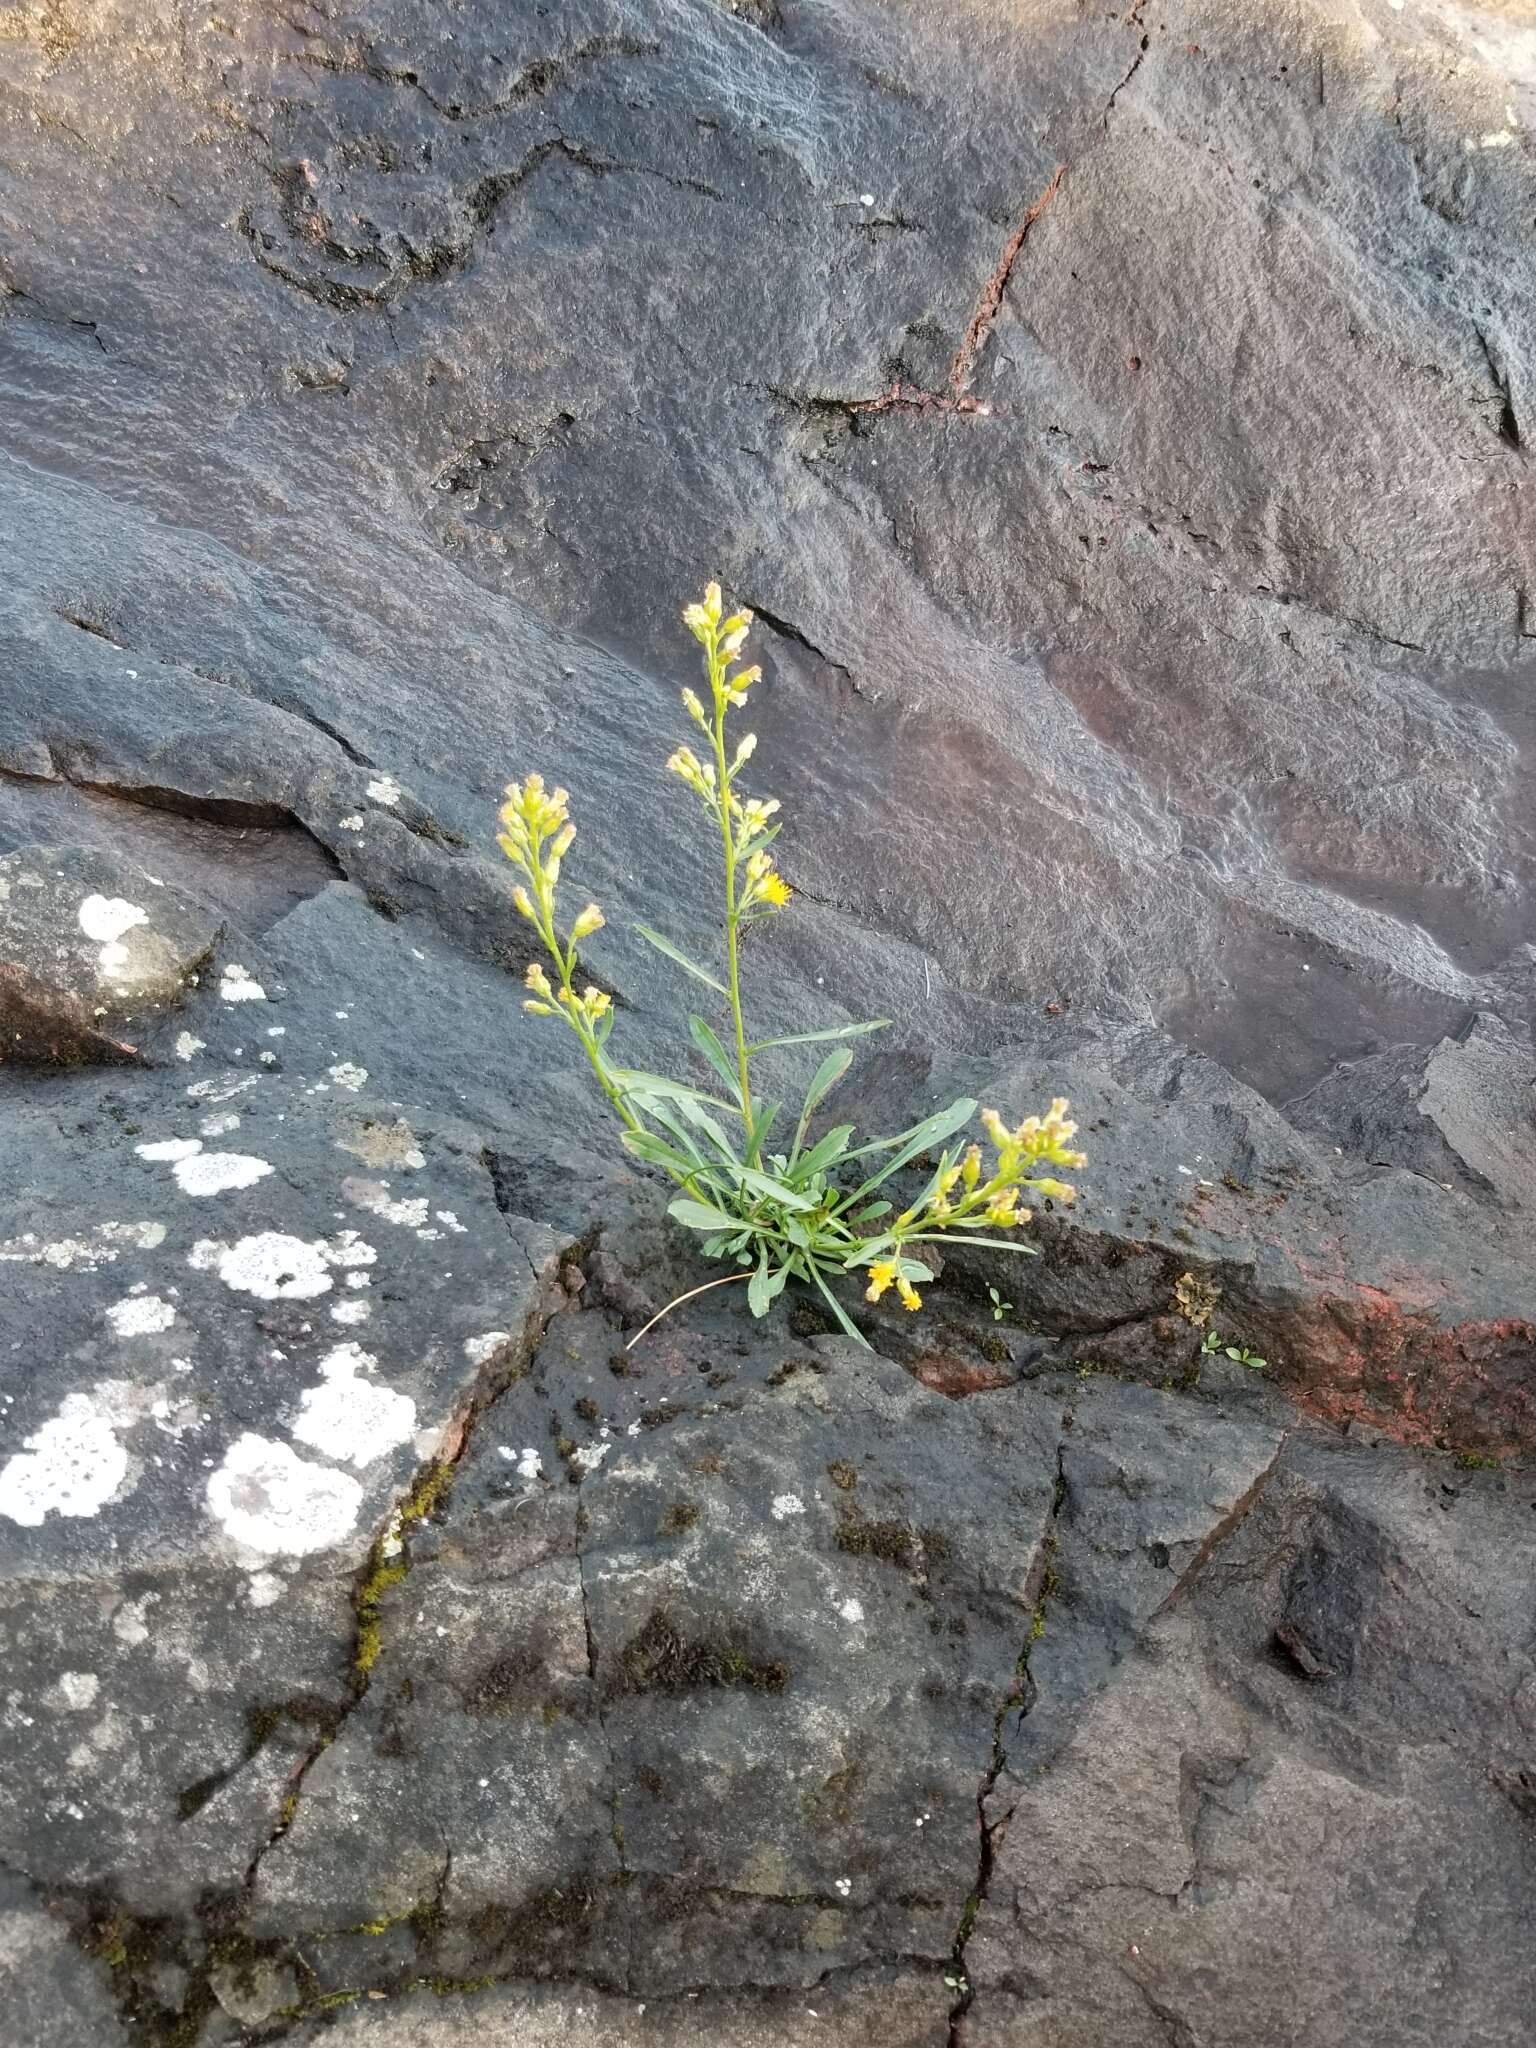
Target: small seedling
[1238,1353]
[805,1211]
[1000,1308]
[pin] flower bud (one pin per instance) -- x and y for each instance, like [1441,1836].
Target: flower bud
[590,921]
[524,902]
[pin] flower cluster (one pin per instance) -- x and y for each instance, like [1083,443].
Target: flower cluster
[745,822]
[960,1192]
[536,834]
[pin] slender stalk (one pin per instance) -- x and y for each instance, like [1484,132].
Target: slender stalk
[678,1302]
[728,837]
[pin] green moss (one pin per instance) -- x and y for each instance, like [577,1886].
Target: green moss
[843,1475]
[1475,1461]
[681,1515]
[663,1659]
[892,1542]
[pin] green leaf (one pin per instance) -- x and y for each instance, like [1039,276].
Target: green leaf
[700,1216]
[763,839]
[714,1052]
[701,1120]
[756,1137]
[932,1131]
[772,1190]
[837,1307]
[874,1209]
[765,1286]
[632,1081]
[656,1151]
[992,1244]
[823,1081]
[681,959]
[816,1037]
[823,1152]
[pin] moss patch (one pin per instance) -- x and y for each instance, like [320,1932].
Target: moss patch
[663,1658]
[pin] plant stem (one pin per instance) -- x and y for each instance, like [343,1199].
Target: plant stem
[678,1301]
[728,837]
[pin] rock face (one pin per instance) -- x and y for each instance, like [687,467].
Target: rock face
[1119,424]
[91,948]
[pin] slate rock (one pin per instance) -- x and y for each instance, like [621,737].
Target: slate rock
[90,949]
[1462,1112]
[1228,1844]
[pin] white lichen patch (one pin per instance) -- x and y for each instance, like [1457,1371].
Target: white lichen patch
[218,1173]
[448,1218]
[221,1125]
[140,1315]
[70,1254]
[352,1310]
[787,1504]
[105,918]
[238,985]
[72,1466]
[851,1610]
[349,1419]
[375,1197]
[385,790]
[275,1266]
[74,1692]
[478,1349]
[221,1088]
[188,1045]
[262,1588]
[352,822]
[268,1500]
[347,1074]
[169,1148]
[588,1457]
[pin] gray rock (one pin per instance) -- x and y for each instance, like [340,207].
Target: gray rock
[1120,427]
[47,2000]
[1462,1112]
[91,949]
[1229,1846]
[903,2008]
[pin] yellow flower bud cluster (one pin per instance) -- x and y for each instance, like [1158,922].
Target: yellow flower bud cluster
[1037,1138]
[698,775]
[764,888]
[885,1273]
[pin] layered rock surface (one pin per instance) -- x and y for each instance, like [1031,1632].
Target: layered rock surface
[1119,424]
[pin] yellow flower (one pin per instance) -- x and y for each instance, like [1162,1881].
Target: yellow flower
[712,605]
[524,902]
[538,1009]
[738,621]
[882,1274]
[910,1298]
[1056,1190]
[745,749]
[774,890]
[595,1003]
[1003,1208]
[591,920]
[538,981]
[695,709]
[971,1171]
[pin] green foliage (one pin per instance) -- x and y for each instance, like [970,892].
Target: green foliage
[1238,1353]
[1000,1308]
[804,1210]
